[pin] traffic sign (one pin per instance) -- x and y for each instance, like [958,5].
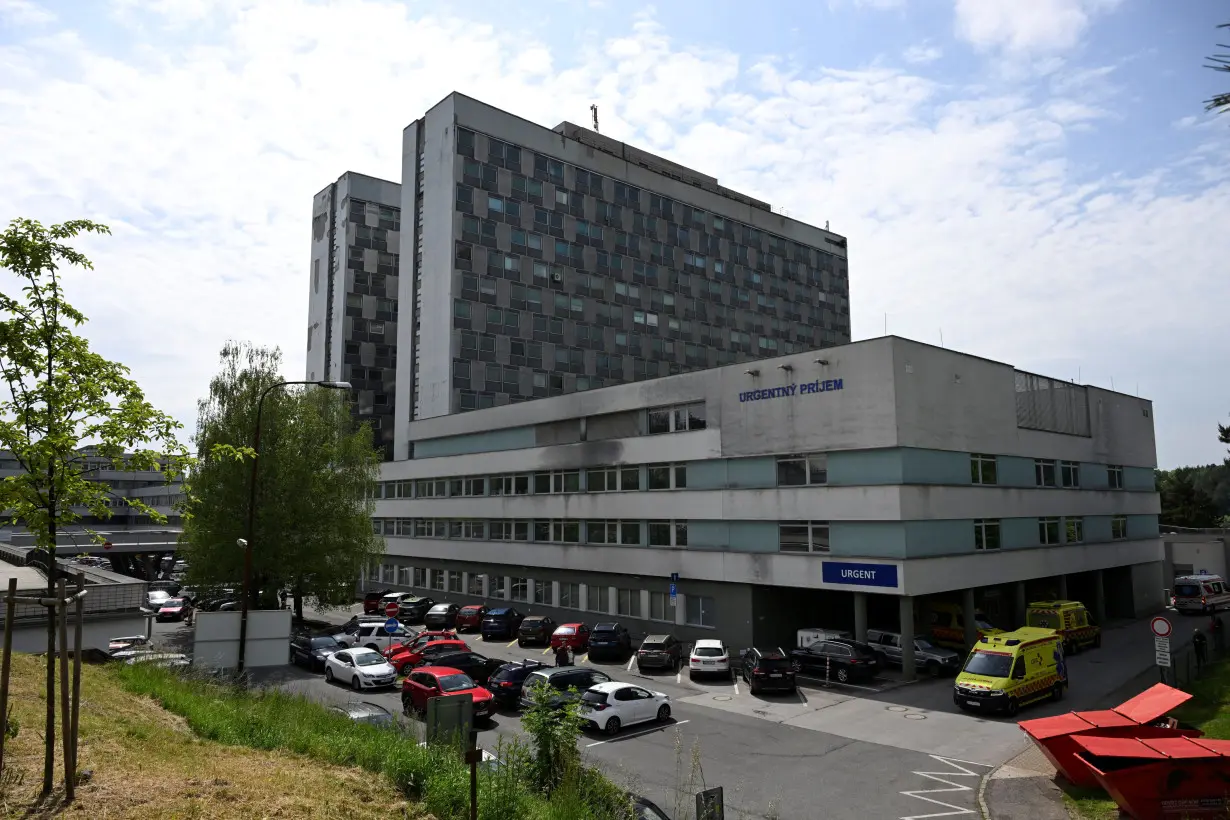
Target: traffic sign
[1163,658]
[675,577]
[673,592]
[391,609]
[1161,645]
[1161,627]
[391,625]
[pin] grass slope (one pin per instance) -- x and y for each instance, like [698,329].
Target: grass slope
[147,762]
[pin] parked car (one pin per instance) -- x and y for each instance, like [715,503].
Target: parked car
[506,682]
[501,623]
[362,668]
[477,666]
[127,642]
[611,706]
[155,598]
[440,681]
[418,641]
[535,629]
[371,601]
[561,680]
[429,653]
[935,659]
[841,659]
[174,609]
[609,640]
[373,714]
[573,636]
[410,657]
[374,636]
[167,660]
[659,652]
[471,617]
[356,620]
[767,669]
[312,651]
[645,809]
[441,616]
[709,657]
[392,598]
[414,610]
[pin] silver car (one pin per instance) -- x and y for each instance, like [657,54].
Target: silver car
[935,659]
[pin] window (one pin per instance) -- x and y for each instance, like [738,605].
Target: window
[668,476]
[472,486]
[668,533]
[677,419]
[570,596]
[660,607]
[496,587]
[628,602]
[437,579]
[700,611]
[798,471]
[509,485]
[602,532]
[1070,473]
[983,469]
[454,580]
[569,482]
[420,577]
[803,536]
[472,530]
[986,533]
[1118,527]
[567,532]
[1114,476]
[599,598]
[1044,473]
[1048,531]
[520,590]
[630,533]
[430,488]
[612,479]
[475,584]
[1074,530]
[542,592]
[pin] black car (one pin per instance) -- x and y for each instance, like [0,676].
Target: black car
[311,651]
[501,623]
[373,714]
[414,610]
[535,629]
[505,682]
[609,641]
[767,669]
[441,616]
[479,667]
[567,684]
[659,652]
[839,659]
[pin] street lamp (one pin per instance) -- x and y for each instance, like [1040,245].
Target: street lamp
[246,543]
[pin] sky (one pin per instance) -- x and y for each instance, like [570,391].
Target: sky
[1033,182]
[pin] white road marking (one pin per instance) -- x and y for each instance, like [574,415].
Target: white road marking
[959,770]
[678,677]
[836,682]
[802,697]
[630,662]
[736,687]
[638,734]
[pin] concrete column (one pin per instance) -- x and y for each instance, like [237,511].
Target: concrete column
[645,604]
[555,593]
[681,609]
[465,583]
[507,596]
[583,604]
[968,611]
[1099,596]
[1019,604]
[529,592]
[1063,587]
[860,616]
[486,590]
[612,600]
[908,667]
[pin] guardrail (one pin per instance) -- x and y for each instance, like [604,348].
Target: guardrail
[90,541]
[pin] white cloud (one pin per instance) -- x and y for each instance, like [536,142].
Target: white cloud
[203,143]
[1037,25]
[922,54]
[24,13]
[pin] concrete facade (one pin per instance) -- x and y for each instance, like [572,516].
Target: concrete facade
[778,489]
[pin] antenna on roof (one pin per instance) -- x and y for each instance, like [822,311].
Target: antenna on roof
[941,337]
[826,224]
[593,109]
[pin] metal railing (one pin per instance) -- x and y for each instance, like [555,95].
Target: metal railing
[1187,666]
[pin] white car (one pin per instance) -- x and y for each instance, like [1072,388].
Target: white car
[362,668]
[709,657]
[612,706]
[371,634]
[155,598]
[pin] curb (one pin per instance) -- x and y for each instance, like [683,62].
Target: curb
[983,809]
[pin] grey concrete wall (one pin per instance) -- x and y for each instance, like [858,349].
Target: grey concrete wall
[318,284]
[1198,551]
[407,291]
[1148,581]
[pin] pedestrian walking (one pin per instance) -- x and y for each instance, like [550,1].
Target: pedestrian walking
[1200,645]
[561,655]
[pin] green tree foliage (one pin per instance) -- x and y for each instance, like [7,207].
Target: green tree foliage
[553,728]
[1194,496]
[61,396]
[315,480]
[1219,62]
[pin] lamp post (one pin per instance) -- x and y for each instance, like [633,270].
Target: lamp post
[246,543]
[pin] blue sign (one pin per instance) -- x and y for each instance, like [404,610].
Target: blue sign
[672,590]
[391,625]
[791,391]
[674,577]
[863,575]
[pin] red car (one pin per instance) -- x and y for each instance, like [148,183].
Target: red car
[408,656]
[371,602]
[418,641]
[442,681]
[574,636]
[471,617]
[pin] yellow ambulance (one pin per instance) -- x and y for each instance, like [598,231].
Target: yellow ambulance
[948,625]
[1011,669]
[1070,619]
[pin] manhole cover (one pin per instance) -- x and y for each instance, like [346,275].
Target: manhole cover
[915,716]
[722,697]
[896,708]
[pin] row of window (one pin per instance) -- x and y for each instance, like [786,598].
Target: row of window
[626,478]
[549,531]
[1050,530]
[1047,472]
[698,609]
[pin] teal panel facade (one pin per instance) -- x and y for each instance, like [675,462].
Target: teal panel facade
[934,466]
[752,473]
[513,438]
[753,536]
[1142,526]
[1097,527]
[1139,478]
[707,475]
[708,535]
[873,539]
[1014,471]
[938,537]
[855,467]
[1093,476]
[1018,532]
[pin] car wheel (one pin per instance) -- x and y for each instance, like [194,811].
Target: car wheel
[752,690]
[638,669]
[328,674]
[355,685]
[1014,706]
[520,643]
[843,675]
[933,669]
[691,674]
[664,713]
[1057,692]
[613,726]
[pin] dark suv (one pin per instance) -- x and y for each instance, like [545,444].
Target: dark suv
[609,641]
[561,680]
[505,682]
[441,616]
[839,659]
[767,669]
[535,629]
[660,652]
[414,609]
[501,623]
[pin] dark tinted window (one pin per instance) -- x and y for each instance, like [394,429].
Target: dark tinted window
[594,697]
[1187,591]
[325,643]
[773,664]
[653,647]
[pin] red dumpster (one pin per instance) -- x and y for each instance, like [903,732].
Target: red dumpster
[1162,778]
[1135,718]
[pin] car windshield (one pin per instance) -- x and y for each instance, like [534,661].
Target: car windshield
[173,602]
[1187,591]
[989,664]
[369,659]
[438,608]
[471,609]
[708,652]
[603,632]
[983,625]
[594,697]
[325,643]
[924,644]
[774,664]
[565,630]
[652,647]
[456,683]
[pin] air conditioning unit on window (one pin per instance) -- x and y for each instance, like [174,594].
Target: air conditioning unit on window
[557,277]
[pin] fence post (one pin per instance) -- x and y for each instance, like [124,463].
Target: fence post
[80,606]
[66,719]
[10,606]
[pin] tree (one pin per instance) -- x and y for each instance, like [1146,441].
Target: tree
[1185,503]
[316,478]
[60,396]
[1220,62]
